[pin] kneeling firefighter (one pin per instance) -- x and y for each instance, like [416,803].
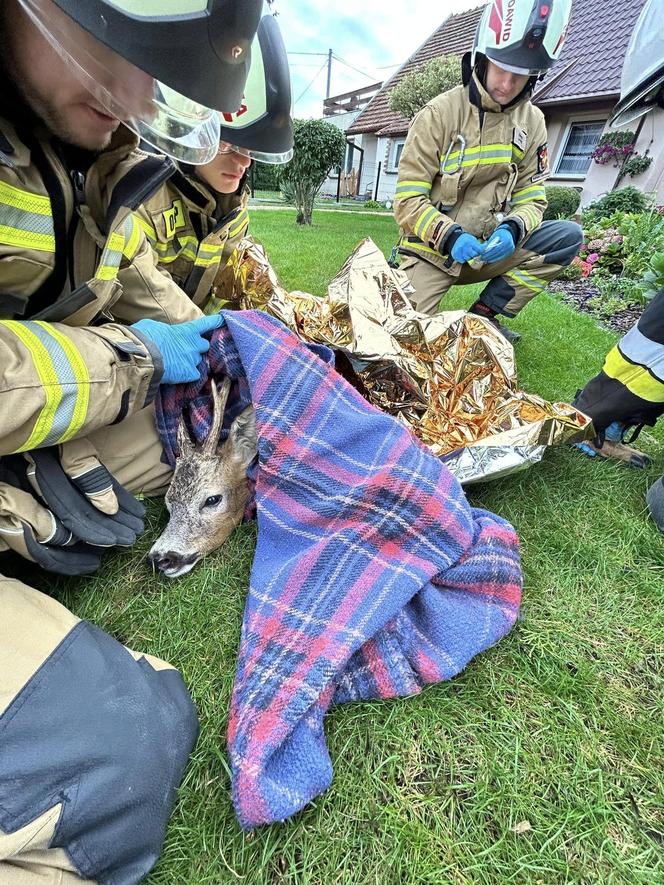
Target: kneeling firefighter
[470,193]
[629,391]
[196,219]
[93,737]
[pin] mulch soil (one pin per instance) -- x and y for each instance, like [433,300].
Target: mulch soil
[577,294]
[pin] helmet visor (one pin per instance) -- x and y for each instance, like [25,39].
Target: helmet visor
[274,159]
[635,106]
[168,121]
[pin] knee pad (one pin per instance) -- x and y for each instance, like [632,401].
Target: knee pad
[107,738]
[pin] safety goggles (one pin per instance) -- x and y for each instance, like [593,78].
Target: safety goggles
[226,147]
[168,121]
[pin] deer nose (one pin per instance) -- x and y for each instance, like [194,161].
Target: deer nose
[171,561]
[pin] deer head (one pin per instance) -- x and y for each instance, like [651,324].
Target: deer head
[209,490]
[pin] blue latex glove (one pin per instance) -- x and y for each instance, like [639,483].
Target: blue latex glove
[181,346]
[501,245]
[466,248]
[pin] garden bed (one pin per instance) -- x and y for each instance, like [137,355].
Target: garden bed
[585,297]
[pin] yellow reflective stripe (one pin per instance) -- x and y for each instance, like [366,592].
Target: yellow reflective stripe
[420,247]
[635,378]
[424,221]
[241,222]
[186,247]
[132,242]
[482,155]
[209,254]
[48,378]
[20,199]
[524,279]
[25,239]
[148,229]
[518,153]
[425,184]
[81,376]
[534,192]
[405,195]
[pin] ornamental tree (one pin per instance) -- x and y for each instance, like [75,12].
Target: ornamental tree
[418,87]
[318,147]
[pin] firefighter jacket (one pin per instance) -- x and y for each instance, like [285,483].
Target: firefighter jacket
[67,237]
[469,164]
[194,230]
[630,387]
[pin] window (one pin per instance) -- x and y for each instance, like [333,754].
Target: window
[395,154]
[582,139]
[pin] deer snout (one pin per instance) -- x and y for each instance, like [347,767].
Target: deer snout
[171,563]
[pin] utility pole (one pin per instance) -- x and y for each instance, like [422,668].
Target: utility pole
[329,72]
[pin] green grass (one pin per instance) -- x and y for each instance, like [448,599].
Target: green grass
[560,725]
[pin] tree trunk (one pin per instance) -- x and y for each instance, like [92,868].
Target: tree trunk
[305,203]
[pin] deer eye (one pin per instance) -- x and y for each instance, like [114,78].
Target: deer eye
[213,500]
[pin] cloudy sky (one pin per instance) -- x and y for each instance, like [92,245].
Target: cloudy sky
[374,36]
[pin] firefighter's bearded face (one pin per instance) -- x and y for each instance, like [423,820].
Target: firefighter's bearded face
[59,90]
[225,172]
[503,86]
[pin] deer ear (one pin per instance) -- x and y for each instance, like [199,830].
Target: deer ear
[243,436]
[184,443]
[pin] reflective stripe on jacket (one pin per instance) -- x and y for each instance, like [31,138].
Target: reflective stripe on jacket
[469,163]
[65,241]
[630,387]
[194,231]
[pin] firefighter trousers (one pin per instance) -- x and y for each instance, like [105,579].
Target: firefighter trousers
[94,737]
[512,282]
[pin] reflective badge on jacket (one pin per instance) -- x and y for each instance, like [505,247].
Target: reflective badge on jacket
[520,138]
[174,218]
[543,170]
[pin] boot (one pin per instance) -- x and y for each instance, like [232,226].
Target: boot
[482,310]
[610,445]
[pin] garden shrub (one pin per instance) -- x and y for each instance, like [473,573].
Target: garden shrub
[373,204]
[625,199]
[563,202]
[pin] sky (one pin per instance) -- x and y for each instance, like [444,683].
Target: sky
[374,36]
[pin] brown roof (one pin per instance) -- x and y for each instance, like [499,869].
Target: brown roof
[593,52]
[454,37]
[589,67]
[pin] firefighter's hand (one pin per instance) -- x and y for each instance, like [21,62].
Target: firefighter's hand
[83,495]
[500,246]
[466,248]
[35,533]
[181,346]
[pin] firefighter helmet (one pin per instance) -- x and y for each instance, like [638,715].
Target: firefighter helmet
[262,128]
[164,74]
[522,36]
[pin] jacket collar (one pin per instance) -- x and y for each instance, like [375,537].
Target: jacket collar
[483,101]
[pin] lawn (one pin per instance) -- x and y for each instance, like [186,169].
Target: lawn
[542,763]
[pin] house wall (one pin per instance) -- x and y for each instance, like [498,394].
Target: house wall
[599,179]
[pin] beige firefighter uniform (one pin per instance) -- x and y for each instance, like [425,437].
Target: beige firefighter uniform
[193,231]
[81,718]
[470,165]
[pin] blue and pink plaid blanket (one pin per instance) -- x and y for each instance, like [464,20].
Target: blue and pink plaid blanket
[372,576]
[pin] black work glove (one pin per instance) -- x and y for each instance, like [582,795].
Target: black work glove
[60,507]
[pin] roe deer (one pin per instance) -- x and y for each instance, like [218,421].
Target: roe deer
[209,490]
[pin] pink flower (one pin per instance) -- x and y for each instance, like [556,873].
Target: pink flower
[617,239]
[592,258]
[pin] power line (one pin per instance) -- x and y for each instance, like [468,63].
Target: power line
[308,53]
[353,68]
[316,76]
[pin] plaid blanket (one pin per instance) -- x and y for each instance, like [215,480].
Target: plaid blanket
[372,575]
